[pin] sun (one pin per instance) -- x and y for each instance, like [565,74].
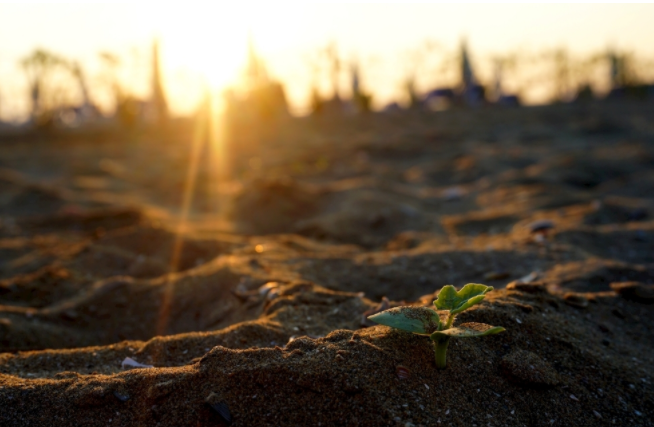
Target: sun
[211,42]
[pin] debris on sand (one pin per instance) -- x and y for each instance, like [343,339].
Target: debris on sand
[131,363]
[220,407]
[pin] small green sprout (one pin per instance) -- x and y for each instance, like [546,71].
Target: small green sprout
[438,326]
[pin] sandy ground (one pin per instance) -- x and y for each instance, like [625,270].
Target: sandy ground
[258,319]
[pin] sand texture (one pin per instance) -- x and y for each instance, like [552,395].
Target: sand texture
[113,312]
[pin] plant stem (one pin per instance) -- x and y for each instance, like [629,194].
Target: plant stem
[450,320]
[440,350]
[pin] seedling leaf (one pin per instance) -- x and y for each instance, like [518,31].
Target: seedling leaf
[468,330]
[419,320]
[456,302]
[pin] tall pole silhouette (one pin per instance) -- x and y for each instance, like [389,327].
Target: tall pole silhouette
[158,97]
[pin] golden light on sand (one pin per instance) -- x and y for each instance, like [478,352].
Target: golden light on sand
[206,141]
[199,137]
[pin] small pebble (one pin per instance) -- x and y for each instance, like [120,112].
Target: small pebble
[402,372]
[121,395]
[220,407]
[540,225]
[575,300]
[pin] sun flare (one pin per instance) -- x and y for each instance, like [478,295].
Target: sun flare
[212,45]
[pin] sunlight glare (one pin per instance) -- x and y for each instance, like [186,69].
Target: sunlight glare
[211,44]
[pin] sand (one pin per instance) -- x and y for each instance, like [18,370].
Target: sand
[262,320]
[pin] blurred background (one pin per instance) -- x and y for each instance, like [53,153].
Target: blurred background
[56,59]
[229,93]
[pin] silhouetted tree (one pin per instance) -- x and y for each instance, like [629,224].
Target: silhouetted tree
[40,67]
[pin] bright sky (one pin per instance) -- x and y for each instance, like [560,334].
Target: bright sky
[207,42]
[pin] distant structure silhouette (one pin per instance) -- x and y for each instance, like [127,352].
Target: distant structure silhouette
[39,67]
[132,111]
[253,112]
[468,93]
[360,99]
[87,111]
[264,97]
[471,92]
[158,105]
[334,105]
[53,103]
[502,98]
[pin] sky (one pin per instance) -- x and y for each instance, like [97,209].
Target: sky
[205,44]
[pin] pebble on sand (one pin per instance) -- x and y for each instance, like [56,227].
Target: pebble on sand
[220,407]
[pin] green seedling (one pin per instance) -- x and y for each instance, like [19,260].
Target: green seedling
[438,324]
